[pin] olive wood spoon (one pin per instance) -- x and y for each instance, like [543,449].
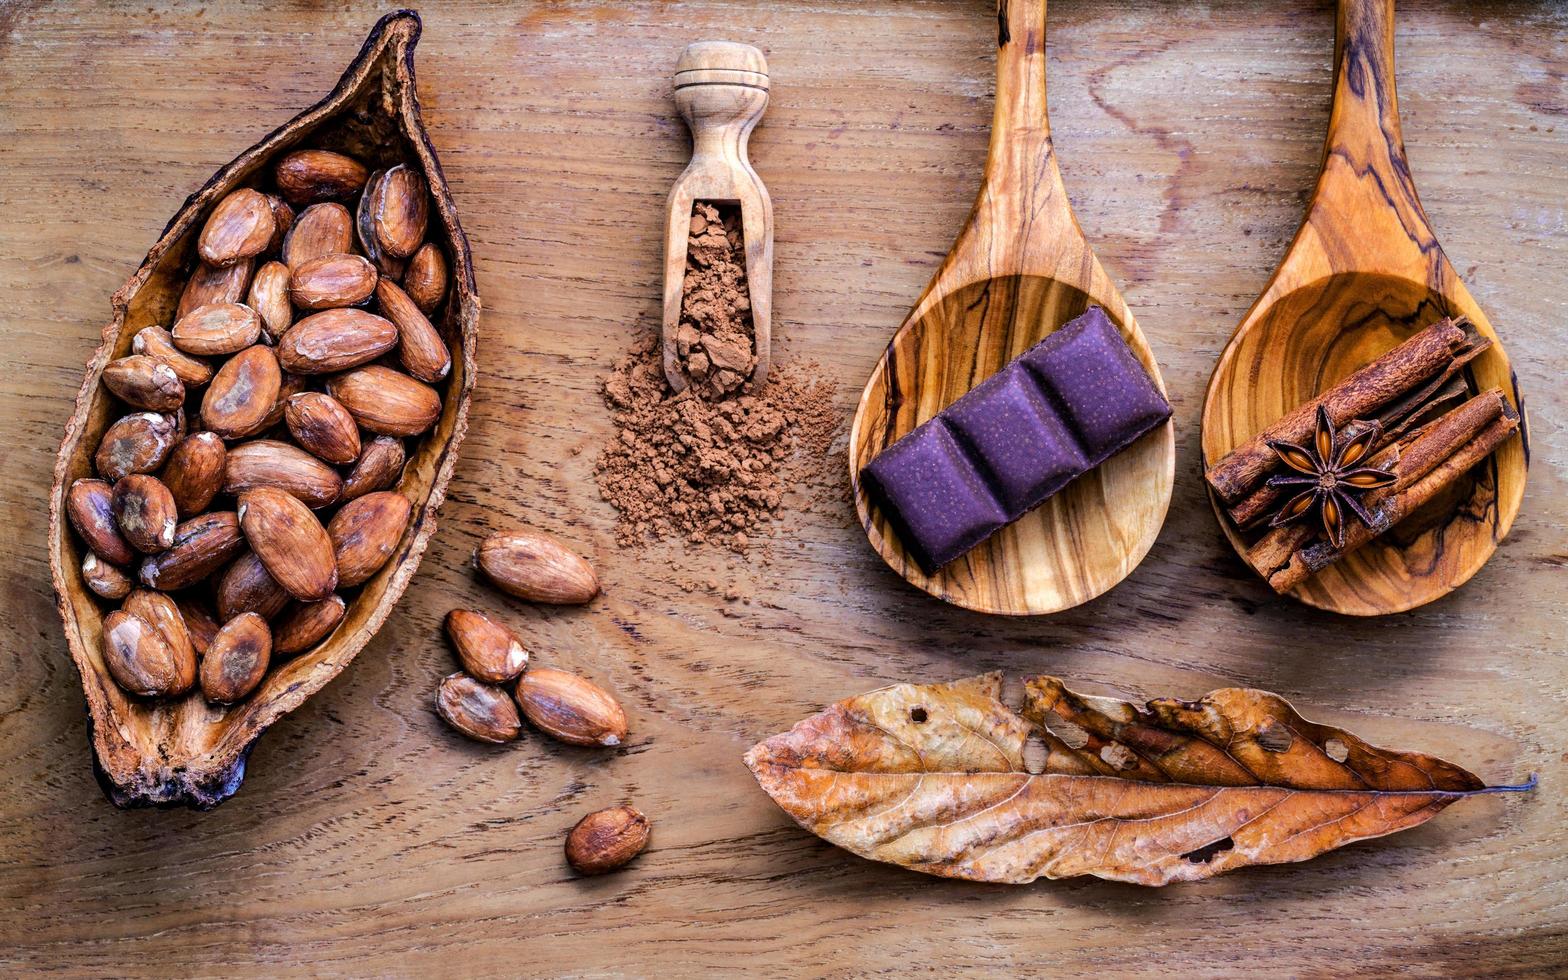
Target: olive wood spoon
[1020,268]
[721,90]
[1364,273]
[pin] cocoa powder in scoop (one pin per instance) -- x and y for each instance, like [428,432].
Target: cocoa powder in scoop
[715,341]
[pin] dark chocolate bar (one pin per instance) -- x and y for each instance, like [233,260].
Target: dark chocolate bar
[1065,406]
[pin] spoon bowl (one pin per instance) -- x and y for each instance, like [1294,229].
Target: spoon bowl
[1364,273]
[1020,269]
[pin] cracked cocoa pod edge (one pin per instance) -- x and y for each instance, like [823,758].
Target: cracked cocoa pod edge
[146,754]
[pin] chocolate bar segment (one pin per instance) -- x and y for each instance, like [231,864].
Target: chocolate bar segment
[1062,408]
[1104,392]
[1017,437]
[934,495]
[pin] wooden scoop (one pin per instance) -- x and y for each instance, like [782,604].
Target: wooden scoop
[1363,274]
[721,89]
[1020,268]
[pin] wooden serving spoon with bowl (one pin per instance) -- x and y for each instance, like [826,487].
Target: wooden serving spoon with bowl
[1363,274]
[1020,269]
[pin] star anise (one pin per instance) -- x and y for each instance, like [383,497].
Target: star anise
[1328,470]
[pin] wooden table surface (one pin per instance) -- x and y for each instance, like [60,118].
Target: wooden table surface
[369,839]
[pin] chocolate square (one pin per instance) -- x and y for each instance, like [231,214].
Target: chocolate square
[1105,393]
[1018,438]
[934,495]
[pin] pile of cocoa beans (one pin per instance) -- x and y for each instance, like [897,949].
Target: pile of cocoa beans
[249,480]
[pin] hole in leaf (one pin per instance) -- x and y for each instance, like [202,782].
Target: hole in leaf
[1208,852]
[917,715]
[1072,734]
[1036,755]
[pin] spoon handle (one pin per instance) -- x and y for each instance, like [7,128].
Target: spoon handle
[1366,205]
[1022,223]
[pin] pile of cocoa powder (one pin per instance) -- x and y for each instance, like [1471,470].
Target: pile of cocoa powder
[714,463]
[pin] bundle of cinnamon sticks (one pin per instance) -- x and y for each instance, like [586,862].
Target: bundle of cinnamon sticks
[1433,431]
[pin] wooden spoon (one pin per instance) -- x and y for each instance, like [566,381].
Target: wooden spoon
[1020,268]
[1363,274]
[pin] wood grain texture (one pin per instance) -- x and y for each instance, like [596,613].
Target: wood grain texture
[1021,268]
[369,839]
[1364,273]
[721,90]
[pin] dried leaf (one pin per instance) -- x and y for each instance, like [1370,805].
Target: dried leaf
[934,778]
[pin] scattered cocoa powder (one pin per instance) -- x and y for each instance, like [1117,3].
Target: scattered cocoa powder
[706,471]
[715,341]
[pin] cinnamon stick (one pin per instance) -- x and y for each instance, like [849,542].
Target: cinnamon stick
[1427,461]
[1398,419]
[1412,366]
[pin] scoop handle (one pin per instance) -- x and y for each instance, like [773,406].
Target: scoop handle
[721,90]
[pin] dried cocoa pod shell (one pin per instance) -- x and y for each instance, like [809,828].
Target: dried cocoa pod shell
[104,579]
[143,382]
[570,708]
[290,541]
[607,839]
[194,472]
[201,546]
[534,566]
[386,402]
[379,465]
[320,424]
[90,506]
[401,211]
[240,226]
[306,624]
[159,343]
[269,463]
[487,650]
[160,611]
[217,329]
[144,511]
[236,660]
[209,284]
[138,443]
[139,660]
[242,393]
[481,711]
[335,340]
[307,176]
[269,297]
[247,586]
[425,278]
[365,532]
[148,754]
[420,347]
[332,281]
[199,621]
[322,229]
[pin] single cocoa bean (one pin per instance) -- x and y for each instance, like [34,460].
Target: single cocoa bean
[90,506]
[236,660]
